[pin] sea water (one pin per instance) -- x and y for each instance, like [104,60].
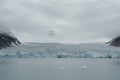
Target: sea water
[60,69]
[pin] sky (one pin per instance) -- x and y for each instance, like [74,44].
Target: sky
[65,21]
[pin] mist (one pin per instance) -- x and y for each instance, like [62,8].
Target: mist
[67,21]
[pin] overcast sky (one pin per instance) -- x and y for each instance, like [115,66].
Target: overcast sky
[68,21]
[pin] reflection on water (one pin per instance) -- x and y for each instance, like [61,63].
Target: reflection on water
[60,69]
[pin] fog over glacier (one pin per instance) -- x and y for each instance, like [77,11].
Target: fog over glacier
[68,21]
[5,30]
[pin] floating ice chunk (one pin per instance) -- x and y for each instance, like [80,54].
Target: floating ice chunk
[84,67]
[61,67]
[119,77]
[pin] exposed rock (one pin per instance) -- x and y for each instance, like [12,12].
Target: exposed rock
[6,40]
[115,42]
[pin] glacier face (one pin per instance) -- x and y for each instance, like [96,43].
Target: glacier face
[58,50]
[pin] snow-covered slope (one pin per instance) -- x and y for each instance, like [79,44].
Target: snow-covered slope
[56,50]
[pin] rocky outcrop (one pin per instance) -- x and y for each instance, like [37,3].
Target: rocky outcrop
[115,42]
[7,41]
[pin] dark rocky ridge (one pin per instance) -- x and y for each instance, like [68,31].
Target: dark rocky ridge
[7,40]
[115,42]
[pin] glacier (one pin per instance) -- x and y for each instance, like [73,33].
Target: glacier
[59,50]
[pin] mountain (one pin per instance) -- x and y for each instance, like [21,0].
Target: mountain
[115,42]
[7,39]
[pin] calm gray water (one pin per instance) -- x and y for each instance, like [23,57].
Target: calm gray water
[60,69]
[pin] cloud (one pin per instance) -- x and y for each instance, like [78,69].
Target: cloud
[72,20]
